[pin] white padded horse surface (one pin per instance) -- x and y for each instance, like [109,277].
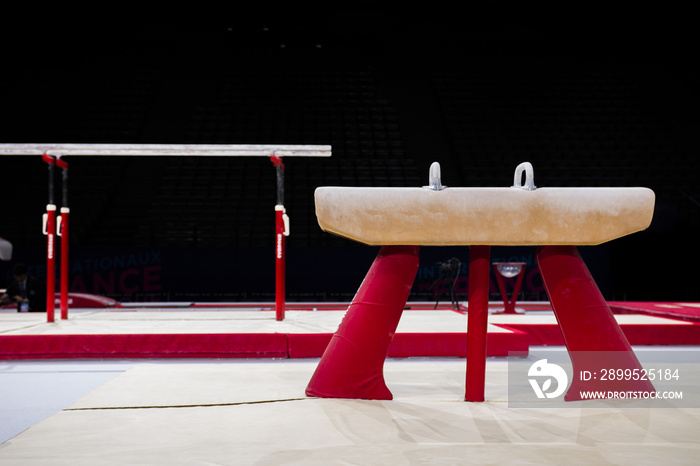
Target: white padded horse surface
[483,216]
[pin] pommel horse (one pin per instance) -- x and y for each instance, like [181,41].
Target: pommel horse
[400,220]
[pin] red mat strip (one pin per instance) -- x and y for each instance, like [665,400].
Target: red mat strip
[261,345]
[680,311]
[637,334]
[143,346]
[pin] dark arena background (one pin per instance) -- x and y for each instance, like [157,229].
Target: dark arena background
[589,99]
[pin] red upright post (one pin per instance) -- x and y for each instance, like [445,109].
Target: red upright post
[281,230]
[50,232]
[63,232]
[477,322]
[49,227]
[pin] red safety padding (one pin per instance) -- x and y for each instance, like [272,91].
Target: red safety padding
[353,362]
[250,345]
[592,336]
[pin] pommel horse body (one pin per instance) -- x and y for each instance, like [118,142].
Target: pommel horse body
[400,220]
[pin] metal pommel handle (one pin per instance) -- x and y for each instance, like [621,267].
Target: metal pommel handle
[529,177]
[434,181]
